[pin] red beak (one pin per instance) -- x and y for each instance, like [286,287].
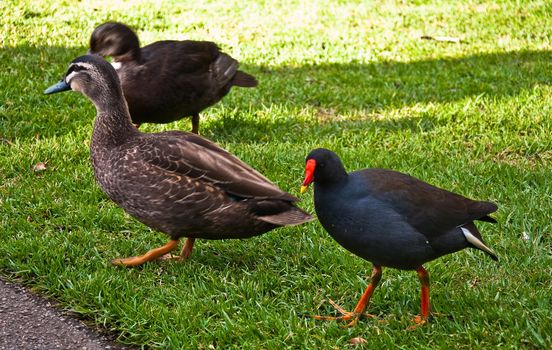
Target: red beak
[309,174]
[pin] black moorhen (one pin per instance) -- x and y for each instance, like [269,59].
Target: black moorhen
[391,219]
[168,80]
[175,182]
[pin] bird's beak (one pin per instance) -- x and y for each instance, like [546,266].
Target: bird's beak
[309,175]
[59,87]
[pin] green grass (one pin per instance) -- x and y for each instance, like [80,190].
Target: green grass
[473,117]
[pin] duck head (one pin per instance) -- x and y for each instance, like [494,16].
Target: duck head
[116,40]
[322,167]
[94,77]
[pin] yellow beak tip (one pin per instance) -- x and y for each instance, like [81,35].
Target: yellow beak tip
[303,189]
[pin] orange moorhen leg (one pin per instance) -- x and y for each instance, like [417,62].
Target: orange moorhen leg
[195,124]
[424,314]
[358,312]
[149,256]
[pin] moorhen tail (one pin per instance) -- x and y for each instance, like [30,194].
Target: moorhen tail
[168,80]
[175,182]
[391,219]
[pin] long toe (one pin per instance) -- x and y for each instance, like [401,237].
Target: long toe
[344,312]
[353,322]
[338,307]
[344,317]
[353,317]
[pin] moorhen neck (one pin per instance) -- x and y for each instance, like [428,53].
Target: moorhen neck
[391,219]
[175,182]
[168,80]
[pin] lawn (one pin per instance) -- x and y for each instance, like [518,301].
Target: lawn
[474,117]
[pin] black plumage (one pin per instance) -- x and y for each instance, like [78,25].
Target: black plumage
[176,182]
[392,219]
[168,80]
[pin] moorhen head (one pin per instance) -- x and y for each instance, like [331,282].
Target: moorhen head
[175,182]
[168,80]
[391,219]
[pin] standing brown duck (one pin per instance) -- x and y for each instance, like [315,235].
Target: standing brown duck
[175,182]
[168,80]
[391,219]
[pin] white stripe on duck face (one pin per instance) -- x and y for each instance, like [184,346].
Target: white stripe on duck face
[70,76]
[116,65]
[73,73]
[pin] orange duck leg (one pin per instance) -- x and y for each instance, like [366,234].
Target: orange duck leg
[149,256]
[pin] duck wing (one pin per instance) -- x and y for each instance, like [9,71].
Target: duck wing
[185,57]
[198,65]
[195,157]
[431,210]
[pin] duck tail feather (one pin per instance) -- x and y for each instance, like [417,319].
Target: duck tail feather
[291,217]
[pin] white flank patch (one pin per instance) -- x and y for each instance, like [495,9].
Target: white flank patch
[116,65]
[475,241]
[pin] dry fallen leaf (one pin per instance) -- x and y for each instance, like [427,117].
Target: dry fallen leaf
[38,167]
[358,340]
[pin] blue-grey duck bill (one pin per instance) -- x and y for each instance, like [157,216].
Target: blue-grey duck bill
[59,87]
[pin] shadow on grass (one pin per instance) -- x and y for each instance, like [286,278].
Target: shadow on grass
[383,85]
[361,91]
[347,89]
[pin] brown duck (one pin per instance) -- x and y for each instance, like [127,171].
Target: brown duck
[175,182]
[168,80]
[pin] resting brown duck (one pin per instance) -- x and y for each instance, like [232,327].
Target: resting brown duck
[175,182]
[168,80]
